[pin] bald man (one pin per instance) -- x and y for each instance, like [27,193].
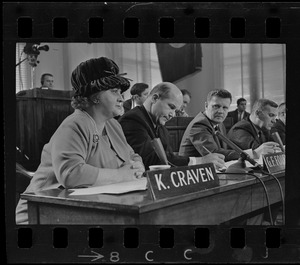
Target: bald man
[145,122]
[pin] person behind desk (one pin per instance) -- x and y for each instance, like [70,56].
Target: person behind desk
[279,125]
[254,132]
[200,136]
[143,123]
[89,147]
[139,93]
[187,96]
[240,113]
[47,81]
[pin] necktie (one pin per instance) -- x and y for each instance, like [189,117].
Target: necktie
[222,145]
[157,130]
[261,137]
[239,116]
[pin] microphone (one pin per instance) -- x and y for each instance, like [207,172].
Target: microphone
[243,154]
[37,47]
[159,150]
[278,140]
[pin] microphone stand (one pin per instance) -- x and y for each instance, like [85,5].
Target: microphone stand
[21,61]
[239,166]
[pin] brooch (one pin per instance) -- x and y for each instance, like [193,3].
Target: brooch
[95,138]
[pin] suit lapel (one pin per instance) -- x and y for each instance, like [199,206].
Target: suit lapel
[222,130]
[147,120]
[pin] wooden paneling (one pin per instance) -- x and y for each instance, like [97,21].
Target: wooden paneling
[232,199]
[176,127]
[38,114]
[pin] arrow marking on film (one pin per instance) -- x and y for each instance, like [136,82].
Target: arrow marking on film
[96,256]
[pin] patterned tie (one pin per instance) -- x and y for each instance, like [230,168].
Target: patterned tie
[220,141]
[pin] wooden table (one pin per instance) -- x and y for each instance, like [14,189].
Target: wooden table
[232,199]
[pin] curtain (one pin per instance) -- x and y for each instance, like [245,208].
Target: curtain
[255,71]
[22,69]
[178,60]
[138,60]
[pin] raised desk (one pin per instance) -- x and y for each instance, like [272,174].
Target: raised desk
[232,199]
[39,112]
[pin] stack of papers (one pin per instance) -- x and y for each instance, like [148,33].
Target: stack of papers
[117,188]
[229,163]
[248,164]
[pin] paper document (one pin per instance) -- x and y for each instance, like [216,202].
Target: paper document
[117,188]
[248,164]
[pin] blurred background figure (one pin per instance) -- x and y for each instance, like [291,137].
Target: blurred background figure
[240,113]
[186,101]
[279,125]
[47,81]
[139,92]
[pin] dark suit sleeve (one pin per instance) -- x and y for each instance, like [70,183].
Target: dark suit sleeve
[243,137]
[202,135]
[138,138]
[246,115]
[233,115]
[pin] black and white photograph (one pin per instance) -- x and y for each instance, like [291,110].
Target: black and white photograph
[88,115]
[126,146]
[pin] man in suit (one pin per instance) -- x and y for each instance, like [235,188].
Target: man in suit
[47,81]
[199,137]
[240,113]
[139,93]
[254,132]
[187,96]
[279,125]
[146,122]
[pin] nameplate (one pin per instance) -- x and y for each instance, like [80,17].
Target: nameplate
[182,180]
[274,163]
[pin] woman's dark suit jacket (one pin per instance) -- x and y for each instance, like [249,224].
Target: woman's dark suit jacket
[139,131]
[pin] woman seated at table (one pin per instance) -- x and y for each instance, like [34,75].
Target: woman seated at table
[89,147]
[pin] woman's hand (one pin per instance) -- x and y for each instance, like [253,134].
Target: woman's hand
[137,163]
[139,166]
[132,170]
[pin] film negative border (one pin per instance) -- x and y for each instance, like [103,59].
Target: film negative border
[156,22]
[157,244]
[152,22]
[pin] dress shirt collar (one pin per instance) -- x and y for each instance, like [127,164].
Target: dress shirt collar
[133,104]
